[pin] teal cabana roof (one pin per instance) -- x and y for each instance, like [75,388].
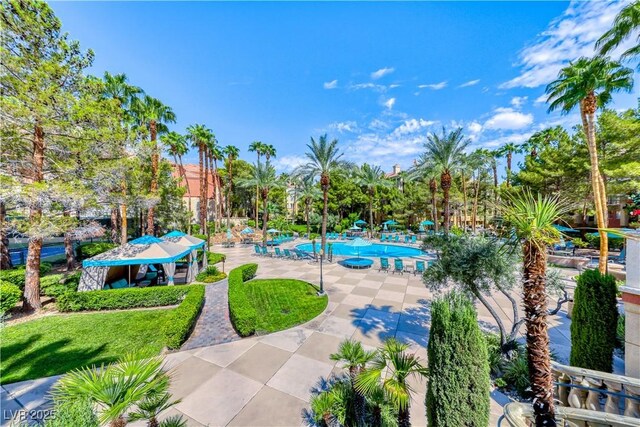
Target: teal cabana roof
[175,233]
[145,240]
[358,222]
[143,250]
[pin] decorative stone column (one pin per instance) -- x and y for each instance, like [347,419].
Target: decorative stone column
[631,299]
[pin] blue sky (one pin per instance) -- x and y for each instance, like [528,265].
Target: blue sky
[377,76]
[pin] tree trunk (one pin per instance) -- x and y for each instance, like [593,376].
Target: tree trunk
[371,194]
[5,256]
[118,422]
[68,248]
[445,184]
[474,215]
[509,154]
[403,418]
[155,158]
[217,196]
[123,214]
[433,187]
[534,299]
[464,202]
[230,191]
[202,209]
[114,225]
[494,166]
[306,213]
[265,214]
[587,113]
[206,192]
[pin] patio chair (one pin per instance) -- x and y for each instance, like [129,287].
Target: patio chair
[398,266]
[406,239]
[384,264]
[344,236]
[620,258]
[397,239]
[414,239]
[265,251]
[257,249]
[289,255]
[303,255]
[419,268]
[383,237]
[278,253]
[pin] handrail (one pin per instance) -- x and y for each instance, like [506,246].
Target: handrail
[519,415]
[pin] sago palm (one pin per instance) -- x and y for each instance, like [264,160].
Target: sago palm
[533,217]
[371,177]
[624,26]
[391,369]
[324,159]
[589,84]
[444,151]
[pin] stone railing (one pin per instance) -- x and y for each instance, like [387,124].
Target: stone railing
[584,387]
[521,415]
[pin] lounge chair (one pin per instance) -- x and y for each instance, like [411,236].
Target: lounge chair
[414,239]
[419,268]
[406,239]
[257,249]
[278,253]
[397,239]
[384,264]
[398,266]
[265,251]
[303,255]
[620,258]
[344,236]
[289,255]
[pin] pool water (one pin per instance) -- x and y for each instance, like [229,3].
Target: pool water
[373,251]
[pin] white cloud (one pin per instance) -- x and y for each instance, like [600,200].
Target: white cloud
[540,100]
[568,37]
[331,85]
[518,101]
[434,86]
[373,86]
[517,138]
[382,72]
[377,124]
[348,126]
[507,118]
[412,126]
[470,83]
[389,103]
[288,163]
[393,86]
[474,127]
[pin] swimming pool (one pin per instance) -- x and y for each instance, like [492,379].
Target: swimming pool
[373,251]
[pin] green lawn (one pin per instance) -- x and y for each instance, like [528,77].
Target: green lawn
[283,303]
[57,344]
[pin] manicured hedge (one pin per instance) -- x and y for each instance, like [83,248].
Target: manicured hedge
[55,285]
[10,294]
[182,319]
[88,250]
[241,311]
[214,258]
[16,276]
[116,299]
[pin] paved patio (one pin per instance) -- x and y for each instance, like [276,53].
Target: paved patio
[266,381]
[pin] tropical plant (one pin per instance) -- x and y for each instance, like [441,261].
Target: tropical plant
[590,84]
[152,405]
[232,153]
[325,159]
[445,151]
[532,218]
[371,177]
[258,147]
[625,24]
[200,136]
[263,176]
[391,369]
[309,192]
[176,146]
[457,349]
[507,151]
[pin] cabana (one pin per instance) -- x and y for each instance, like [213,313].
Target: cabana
[142,251]
[180,238]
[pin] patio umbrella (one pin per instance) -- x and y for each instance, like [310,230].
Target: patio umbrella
[228,234]
[355,228]
[359,222]
[247,230]
[358,243]
[273,231]
[390,222]
[426,222]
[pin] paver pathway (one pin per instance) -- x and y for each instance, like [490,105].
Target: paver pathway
[213,326]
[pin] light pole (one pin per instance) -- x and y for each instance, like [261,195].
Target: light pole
[321,293]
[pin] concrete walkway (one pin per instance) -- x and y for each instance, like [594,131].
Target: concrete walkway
[267,380]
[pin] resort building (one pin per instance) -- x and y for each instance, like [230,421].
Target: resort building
[394,175]
[191,197]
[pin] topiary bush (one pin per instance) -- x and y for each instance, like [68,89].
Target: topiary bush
[117,299]
[88,250]
[241,311]
[183,318]
[594,321]
[210,275]
[10,294]
[458,388]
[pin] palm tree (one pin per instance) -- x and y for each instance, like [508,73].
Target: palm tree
[371,177]
[324,160]
[176,145]
[626,23]
[507,151]
[151,406]
[199,135]
[263,176]
[426,170]
[444,151]
[259,148]
[354,358]
[153,113]
[533,218]
[217,155]
[590,83]
[232,153]
[269,151]
[211,155]
[309,192]
[397,366]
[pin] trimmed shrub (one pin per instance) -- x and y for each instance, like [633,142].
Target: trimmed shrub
[88,250]
[116,299]
[210,275]
[55,285]
[75,412]
[594,320]
[241,311]
[516,374]
[16,276]
[214,258]
[200,236]
[183,318]
[458,389]
[10,294]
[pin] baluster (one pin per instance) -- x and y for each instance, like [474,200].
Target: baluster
[576,395]
[612,405]
[563,391]
[593,396]
[632,407]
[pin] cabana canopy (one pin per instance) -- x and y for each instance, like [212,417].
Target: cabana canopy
[355,227]
[247,230]
[426,222]
[273,231]
[360,222]
[183,239]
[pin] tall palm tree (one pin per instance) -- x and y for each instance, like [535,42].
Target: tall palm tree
[444,151]
[217,155]
[211,155]
[116,87]
[309,192]
[354,358]
[269,151]
[325,159]
[426,170]
[155,115]
[199,136]
[258,147]
[507,151]
[533,218]
[263,176]
[371,177]
[232,152]
[626,23]
[393,366]
[176,145]
[590,83]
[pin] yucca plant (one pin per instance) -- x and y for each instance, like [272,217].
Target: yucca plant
[532,218]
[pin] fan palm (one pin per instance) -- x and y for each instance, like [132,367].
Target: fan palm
[590,83]
[444,151]
[625,24]
[155,116]
[533,218]
[325,159]
[232,154]
[258,147]
[263,176]
[269,151]
[371,177]
[397,366]
[199,136]
[151,406]
[426,170]
[507,151]
[354,358]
